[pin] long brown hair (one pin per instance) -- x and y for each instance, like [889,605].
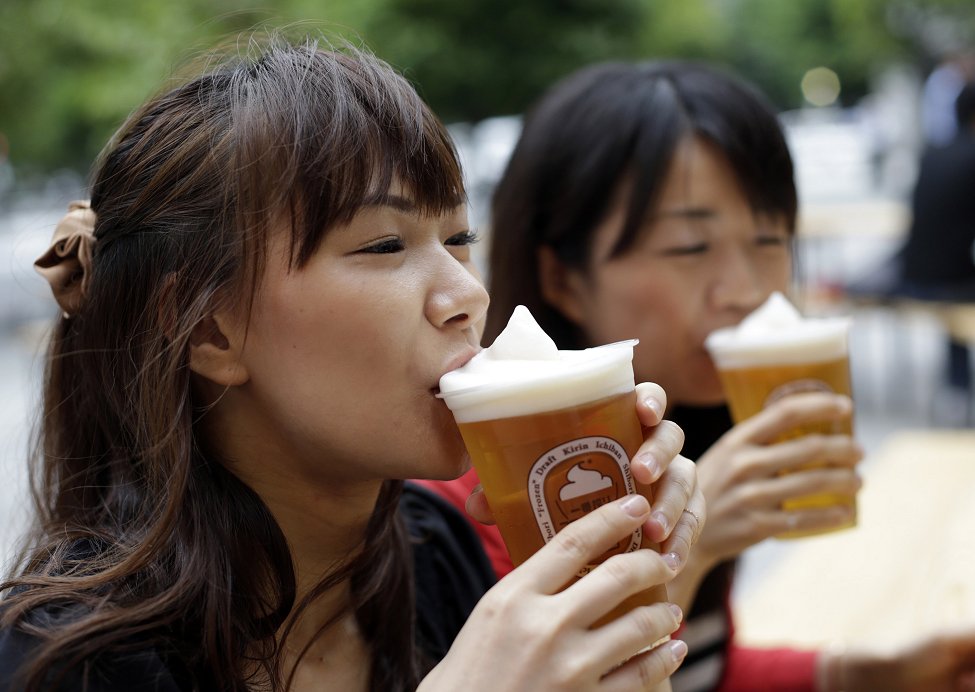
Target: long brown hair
[142,533]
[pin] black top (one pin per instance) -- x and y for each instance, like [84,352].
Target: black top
[702,428]
[939,246]
[452,573]
[707,628]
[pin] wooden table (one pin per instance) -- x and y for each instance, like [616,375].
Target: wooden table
[908,568]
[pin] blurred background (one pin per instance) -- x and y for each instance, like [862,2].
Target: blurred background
[863,87]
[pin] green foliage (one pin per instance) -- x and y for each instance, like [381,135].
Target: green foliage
[70,70]
[476,58]
[777,42]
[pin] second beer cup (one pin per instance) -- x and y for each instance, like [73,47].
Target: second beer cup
[776,352]
[551,434]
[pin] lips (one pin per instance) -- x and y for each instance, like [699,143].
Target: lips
[458,361]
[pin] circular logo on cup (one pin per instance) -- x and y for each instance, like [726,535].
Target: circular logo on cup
[574,478]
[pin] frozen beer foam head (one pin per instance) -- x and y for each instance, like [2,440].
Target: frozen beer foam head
[776,334]
[523,372]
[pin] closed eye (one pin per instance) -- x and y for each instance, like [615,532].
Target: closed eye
[468,237]
[772,240]
[682,250]
[384,247]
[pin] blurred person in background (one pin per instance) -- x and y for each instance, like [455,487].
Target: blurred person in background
[939,123]
[657,201]
[257,304]
[937,260]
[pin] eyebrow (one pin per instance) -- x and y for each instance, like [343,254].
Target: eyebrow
[385,199]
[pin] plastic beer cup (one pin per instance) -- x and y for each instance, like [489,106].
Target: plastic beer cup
[551,434]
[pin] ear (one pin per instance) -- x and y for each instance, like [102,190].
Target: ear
[562,288]
[216,350]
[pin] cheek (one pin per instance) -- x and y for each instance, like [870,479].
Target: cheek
[776,273]
[623,299]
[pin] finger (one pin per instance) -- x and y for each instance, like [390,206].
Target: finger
[646,670]
[663,443]
[626,636]
[670,496]
[825,450]
[677,546]
[611,583]
[651,402]
[582,542]
[477,506]
[773,492]
[791,412]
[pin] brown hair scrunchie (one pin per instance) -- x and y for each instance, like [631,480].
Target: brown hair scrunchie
[67,263]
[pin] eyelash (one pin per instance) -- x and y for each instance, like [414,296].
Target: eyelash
[384,247]
[393,245]
[772,240]
[686,250]
[464,238]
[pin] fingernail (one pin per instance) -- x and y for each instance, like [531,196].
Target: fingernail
[635,505]
[654,405]
[646,460]
[661,519]
[675,609]
[677,649]
[672,560]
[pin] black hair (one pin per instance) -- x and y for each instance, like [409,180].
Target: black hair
[606,123]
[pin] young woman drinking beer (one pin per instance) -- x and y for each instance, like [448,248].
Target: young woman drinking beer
[656,201]
[257,304]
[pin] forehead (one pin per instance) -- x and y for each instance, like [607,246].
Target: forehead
[699,173]
[699,184]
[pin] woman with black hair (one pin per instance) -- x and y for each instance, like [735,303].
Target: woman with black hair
[656,201]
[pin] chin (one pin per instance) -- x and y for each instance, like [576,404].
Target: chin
[701,394]
[448,458]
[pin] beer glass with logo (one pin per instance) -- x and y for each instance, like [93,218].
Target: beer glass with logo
[551,434]
[776,352]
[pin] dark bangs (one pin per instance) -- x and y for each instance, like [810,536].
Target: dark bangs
[677,99]
[321,130]
[616,121]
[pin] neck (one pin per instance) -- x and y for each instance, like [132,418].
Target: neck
[324,517]
[324,530]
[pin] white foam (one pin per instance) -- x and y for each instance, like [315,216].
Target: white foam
[523,372]
[776,334]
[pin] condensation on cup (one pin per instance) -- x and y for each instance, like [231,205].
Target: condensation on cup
[776,352]
[551,434]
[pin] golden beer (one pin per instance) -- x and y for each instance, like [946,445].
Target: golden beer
[551,434]
[544,470]
[777,355]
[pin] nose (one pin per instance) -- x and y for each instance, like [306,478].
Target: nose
[457,297]
[738,285]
